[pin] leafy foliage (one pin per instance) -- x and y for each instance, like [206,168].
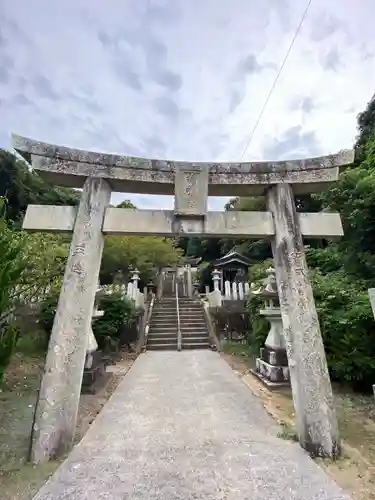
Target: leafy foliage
[118,315]
[147,253]
[12,265]
[21,186]
[345,316]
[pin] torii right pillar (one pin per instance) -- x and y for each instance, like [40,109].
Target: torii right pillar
[311,386]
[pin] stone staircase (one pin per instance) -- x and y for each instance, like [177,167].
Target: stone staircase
[163,325]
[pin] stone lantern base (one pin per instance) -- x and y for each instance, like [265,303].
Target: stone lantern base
[272,367]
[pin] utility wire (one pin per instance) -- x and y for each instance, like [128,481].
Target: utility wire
[277,77]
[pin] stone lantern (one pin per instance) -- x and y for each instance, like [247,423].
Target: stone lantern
[272,365]
[216,278]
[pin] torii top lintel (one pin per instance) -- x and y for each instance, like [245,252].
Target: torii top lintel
[70,167]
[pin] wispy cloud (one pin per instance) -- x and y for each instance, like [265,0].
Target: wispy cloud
[185,80]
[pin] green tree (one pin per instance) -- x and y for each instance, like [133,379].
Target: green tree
[147,253]
[21,187]
[12,265]
[125,204]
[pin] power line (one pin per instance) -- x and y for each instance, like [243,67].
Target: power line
[277,77]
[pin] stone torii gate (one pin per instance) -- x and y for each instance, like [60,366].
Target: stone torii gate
[190,183]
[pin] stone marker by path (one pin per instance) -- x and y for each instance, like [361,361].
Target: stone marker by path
[190,183]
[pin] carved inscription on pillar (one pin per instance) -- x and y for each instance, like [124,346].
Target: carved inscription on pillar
[191,187]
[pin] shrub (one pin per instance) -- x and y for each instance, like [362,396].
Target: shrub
[118,315]
[8,339]
[346,321]
[348,328]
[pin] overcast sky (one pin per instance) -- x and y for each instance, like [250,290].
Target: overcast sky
[185,79]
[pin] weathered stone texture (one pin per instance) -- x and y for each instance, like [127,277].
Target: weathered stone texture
[311,386]
[57,407]
[70,167]
[191,188]
[216,224]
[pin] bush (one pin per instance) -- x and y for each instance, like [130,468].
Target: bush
[348,328]
[346,321]
[118,315]
[8,339]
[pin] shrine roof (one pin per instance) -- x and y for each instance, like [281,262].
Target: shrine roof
[233,256]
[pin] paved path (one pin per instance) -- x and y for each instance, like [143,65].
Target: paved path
[182,426]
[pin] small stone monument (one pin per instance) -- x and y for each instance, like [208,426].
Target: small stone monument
[272,365]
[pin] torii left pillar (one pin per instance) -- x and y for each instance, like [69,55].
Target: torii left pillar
[57,407]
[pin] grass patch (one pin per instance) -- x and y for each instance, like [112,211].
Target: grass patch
[33,343]
[287,432]
[237,349]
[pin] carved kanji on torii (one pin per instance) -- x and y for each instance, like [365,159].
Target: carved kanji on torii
[191,183]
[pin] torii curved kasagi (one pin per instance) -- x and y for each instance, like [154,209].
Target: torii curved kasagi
[100,174]
[70,167]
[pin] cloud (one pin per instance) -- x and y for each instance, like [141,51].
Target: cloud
[44,88]
[294,143]
[247,66]
[156,147]
[306,104]
[324,26]
[332,59]
[186,80]
[168,108]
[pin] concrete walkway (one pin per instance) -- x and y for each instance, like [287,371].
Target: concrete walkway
[182,426]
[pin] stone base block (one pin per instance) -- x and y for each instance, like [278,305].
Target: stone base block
[272,373]
[95,377]
[275,357]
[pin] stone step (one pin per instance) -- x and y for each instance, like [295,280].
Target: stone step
[162,323]
[195,346]
[195,339]
[162,340]
[162,331]
[193,326]
[162,347]
[191,314]
[189,307]
[195,333]
[164,311]
[163,316]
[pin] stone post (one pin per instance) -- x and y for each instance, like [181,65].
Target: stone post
[189,281]
[311,385]
[57,406]
[135,280]
[216,279]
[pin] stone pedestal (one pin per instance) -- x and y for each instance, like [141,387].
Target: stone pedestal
[94,377]
[57,406]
